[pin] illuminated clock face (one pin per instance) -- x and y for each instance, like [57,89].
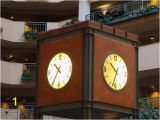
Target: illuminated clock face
[115,72]
[59,70]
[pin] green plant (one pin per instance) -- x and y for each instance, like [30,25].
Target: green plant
[30,35]
[147,110]
[28,76]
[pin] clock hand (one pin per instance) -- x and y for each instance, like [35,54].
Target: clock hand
[56,75]
[115,76]
[113,68]
[57,68]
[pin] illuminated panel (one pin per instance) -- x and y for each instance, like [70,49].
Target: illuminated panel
[59,70]
[115,72]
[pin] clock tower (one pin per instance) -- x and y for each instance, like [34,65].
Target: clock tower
[87,70]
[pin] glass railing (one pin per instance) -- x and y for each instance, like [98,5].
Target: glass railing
[123,12]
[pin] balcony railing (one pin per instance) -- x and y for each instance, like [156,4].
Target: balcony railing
[29,72]
[123,12]
[37,26]
[21,111]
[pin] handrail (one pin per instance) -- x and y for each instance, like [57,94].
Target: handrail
[117,11]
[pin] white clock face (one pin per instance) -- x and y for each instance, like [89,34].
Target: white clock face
[115,72]
[59,70]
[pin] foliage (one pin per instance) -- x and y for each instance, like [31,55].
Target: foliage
[30,35]
[147,110]
[28,76]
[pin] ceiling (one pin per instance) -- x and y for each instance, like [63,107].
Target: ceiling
[44,11]
[39,11]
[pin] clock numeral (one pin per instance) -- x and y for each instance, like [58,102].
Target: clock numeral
[59,85]
[49,72]
[105,69]
[125,74]
[115,85]
[115,58]
[70,68]
[60,56]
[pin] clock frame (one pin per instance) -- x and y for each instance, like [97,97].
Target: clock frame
[58,77]
[107,73]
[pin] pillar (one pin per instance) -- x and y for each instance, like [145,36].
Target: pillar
[84,9]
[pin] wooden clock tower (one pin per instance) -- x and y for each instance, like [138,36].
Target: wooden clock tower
[87,70]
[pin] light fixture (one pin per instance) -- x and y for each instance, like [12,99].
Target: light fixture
[12,17]
[21,107]
[152,38]
[26,59]
[5,105]
[10,56]
[104,7]
[152,86]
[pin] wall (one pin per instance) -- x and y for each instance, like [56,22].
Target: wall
[149,57]
[11,72]
[52,25]
[12,30]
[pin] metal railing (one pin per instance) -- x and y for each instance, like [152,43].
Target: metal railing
[37,26]
[29,72]
[12,112]
[118,11]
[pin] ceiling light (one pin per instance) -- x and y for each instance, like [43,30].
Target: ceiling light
[151,38]
[104,7]
[152,86]
[26,59]
[10,56]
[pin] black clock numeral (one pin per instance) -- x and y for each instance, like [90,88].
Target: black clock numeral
[59,85]
[49,72]
[115,85]
[125,74]
[60,56]
[115,58]
[70,68]
[104,69]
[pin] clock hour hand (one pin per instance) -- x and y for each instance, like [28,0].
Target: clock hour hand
[56,75]
[57,68]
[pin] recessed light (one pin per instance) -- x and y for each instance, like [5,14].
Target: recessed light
[26,59]
[10,56]
[151,38]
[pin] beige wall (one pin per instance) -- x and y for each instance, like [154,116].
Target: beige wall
[149,57]
[52,25]
[11,72]
[12,30]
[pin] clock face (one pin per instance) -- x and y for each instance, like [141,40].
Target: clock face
[59,70]
[115,72]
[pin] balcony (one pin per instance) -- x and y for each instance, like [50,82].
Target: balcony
[18,73]
[123,12]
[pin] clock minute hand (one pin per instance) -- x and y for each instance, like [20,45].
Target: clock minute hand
[115,76]
[56,75]
[114,68]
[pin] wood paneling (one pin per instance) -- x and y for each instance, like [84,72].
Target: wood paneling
[72,91]
[102,93]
